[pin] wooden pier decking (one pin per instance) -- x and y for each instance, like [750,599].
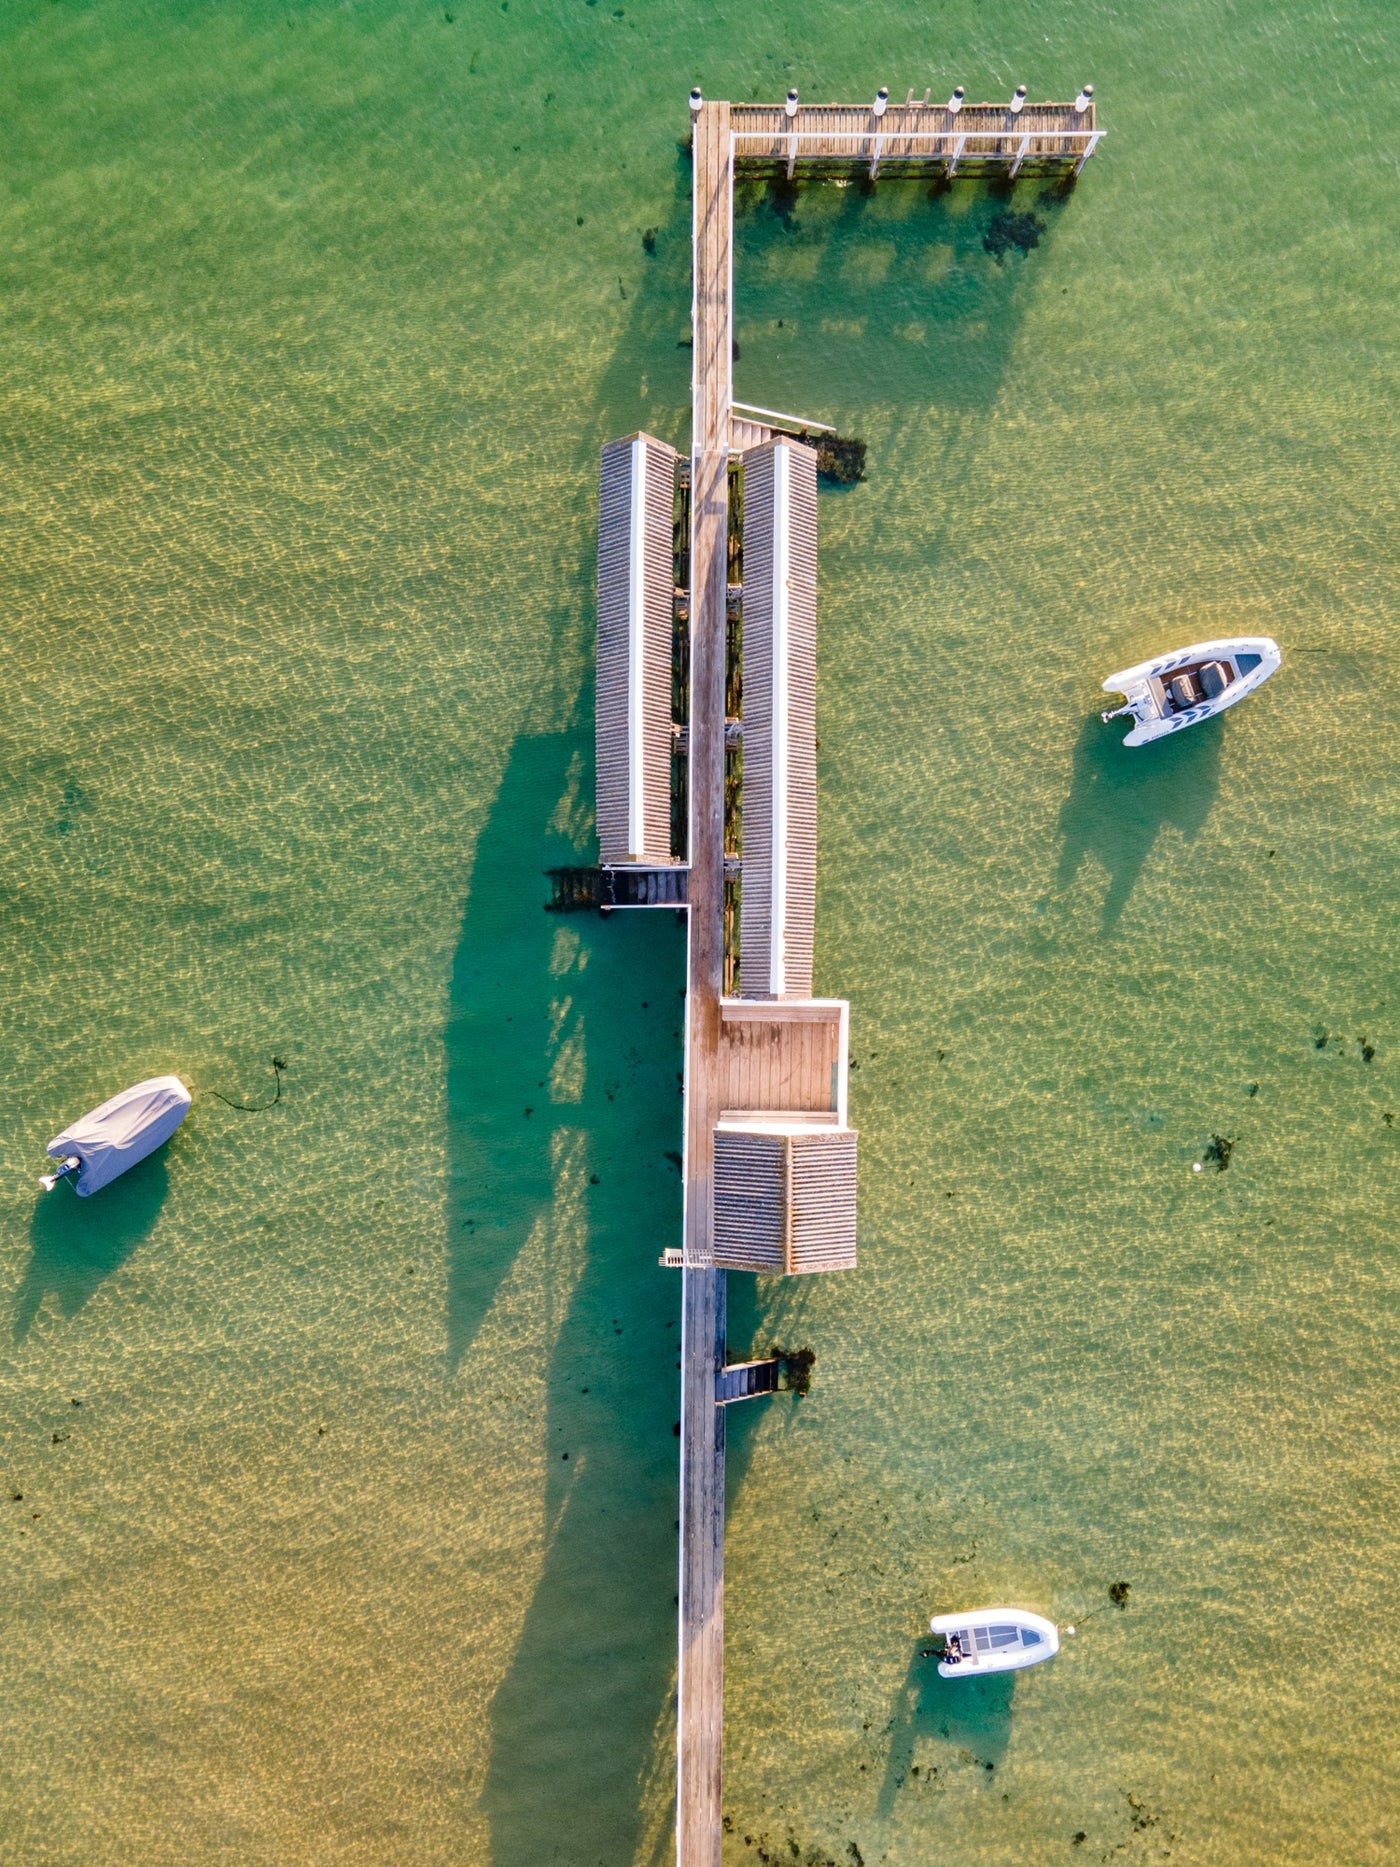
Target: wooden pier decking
[915,137]
[700,1683]
[765,1074]
[783,1055]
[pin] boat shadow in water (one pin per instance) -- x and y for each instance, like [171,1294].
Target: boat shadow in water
[1121,796]
[76,1244]
[944,1723]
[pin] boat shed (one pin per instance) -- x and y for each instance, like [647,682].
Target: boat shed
[784,1157]
[779,875]
[785,1194]
[636,597]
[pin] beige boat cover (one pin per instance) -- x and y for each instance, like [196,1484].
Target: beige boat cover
[114,1136]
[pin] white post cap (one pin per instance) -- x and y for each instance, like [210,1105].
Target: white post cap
[790,104]
[1018,101]
[955,102]
[882,98]
[1084,99]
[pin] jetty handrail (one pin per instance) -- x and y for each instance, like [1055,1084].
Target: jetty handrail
[865,138]
[970,140]
[776,414]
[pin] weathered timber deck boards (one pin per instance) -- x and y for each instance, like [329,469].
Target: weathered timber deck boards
[700,1705]
[779,1063]
[909,136]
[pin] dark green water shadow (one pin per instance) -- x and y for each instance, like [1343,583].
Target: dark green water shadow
[499,1120]
[969,1718]
[76,1244]
[499,1038]
[934,322]
[575,1718]
[1121,796]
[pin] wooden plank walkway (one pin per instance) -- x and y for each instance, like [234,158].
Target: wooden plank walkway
[700,1702]
[797,1062]
[782,1056]
[914,137]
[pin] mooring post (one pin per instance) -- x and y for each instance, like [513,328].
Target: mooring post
[877,110]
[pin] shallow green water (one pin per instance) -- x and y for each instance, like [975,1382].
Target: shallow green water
[314,318]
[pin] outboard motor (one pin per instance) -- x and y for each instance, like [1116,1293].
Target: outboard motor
[50,1180]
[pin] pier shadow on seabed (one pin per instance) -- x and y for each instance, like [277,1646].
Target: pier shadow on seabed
[575,1018]
[579,1019]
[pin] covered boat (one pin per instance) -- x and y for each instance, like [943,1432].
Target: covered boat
[114,1136]
[992,1640]
[1191,684]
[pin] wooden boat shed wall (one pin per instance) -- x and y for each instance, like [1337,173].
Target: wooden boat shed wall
[636,596]
[784,1156]
[779,877]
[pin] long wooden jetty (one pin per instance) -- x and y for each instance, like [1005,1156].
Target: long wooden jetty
[715,680]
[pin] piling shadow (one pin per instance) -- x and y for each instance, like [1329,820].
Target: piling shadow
[944,1722]
[1121,796]
[497,1036]
[76,1244]
[579,1019]
[903,274]
[576,1018]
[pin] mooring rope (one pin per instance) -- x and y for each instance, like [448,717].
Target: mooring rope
[257,1108]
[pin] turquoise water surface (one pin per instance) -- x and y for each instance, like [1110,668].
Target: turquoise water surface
[314,318]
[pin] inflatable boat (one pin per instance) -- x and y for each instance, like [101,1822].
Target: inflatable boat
[991,1640]
[1191,684]
[117,1133]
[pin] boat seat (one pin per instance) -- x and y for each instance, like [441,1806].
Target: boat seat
[1184,691]
[1215,678]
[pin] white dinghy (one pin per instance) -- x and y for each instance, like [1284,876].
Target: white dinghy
[992,1640]
[115,1135]
[1191,684]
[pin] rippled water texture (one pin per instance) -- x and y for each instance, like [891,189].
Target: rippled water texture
[360,1545]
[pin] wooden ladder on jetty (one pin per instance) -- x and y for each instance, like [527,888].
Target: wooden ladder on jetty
[745,1380]
[577,891]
